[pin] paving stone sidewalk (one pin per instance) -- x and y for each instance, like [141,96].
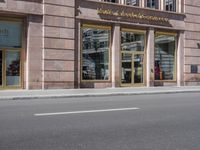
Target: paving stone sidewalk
[34,94]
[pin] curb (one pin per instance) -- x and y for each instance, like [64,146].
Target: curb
[96,94]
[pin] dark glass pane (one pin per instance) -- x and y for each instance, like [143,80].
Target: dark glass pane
[95,54]
[138,66]
[164,57]
[152,4]
[170,5]
[126,68]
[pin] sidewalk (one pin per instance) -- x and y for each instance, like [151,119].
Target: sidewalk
[62,93]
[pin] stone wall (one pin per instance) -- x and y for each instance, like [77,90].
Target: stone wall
[59,23]
[192,41]
[21,6]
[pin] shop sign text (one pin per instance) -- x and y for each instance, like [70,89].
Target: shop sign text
[122,13]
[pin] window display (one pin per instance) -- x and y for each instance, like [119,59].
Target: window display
[12,68]
[95,53]
[165,63]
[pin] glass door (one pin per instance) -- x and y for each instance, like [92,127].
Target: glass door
[132,68]
[127,66]
[1,68]
[138,68]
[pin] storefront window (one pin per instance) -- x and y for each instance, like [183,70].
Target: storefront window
[132,2]
[165,63]
[131,41]
[170,5]
[10,34]
[10,50]
[152,4]
[95,53]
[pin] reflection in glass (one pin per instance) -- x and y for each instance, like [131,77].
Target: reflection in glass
[126,68]
[164,57]
[132,2]
[138,66]
[1,67]
[95,54]
[132,41]
[12,68]
[170,5]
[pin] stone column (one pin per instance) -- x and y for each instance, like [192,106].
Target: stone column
[162,4]
[150,58]
[180,59]
[142,4]
[115,59]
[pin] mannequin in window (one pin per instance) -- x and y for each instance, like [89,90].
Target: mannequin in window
[157,70]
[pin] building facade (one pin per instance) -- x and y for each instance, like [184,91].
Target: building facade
[56,44]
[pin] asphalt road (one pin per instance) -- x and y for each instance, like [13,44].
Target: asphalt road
[142,122]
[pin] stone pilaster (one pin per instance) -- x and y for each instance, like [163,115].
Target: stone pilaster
[59,44]
[116,50]
[150,58]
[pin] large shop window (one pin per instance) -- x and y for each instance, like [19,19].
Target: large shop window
[165,57]
[10,54]
[152,4]
[170,5]
[95,52]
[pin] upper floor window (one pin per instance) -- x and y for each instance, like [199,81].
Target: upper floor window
[132,2]
[152,4]
[170,5]
[111,1]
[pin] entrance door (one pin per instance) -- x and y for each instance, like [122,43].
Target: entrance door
[10,69]
[132,69]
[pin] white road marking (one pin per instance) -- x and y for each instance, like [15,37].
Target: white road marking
[86,111]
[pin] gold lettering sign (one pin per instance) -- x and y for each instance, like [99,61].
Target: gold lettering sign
[132,15]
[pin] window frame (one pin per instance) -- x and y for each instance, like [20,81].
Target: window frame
[175,54]
[144,52]
[157,4]
[12,49]
[173,2]
[83,26]
[137,1]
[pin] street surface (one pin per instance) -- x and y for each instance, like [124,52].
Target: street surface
[132,122]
